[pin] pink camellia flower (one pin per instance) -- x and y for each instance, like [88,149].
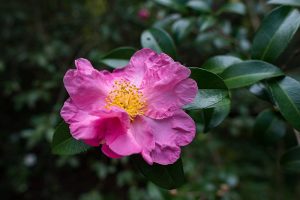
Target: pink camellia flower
[144,14]
[133,110]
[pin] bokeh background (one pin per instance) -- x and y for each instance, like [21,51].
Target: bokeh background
[41,39]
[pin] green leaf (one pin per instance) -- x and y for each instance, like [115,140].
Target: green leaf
[268,127]
[218,64]
[285,2]
[290,160]
[200,6]
[165,176]
[286,94]
[159,41]
[249,72]
[237,8]
[181,28]
[274,34]
[212,89]
[119,57]
[207,22]
[260,91]
[212,117]
[173,4]
[64,144]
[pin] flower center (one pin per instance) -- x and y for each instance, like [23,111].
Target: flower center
[126,96]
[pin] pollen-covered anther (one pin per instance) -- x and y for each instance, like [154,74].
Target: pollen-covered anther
[128,97]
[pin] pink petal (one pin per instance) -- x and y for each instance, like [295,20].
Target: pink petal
[84,66]
[165,155]
[108,152]
[169,134]
[135,70]
[125,145]
[86,86]
[167,89]
[142,133]
[95,128]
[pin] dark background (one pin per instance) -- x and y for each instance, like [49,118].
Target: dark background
[41,39]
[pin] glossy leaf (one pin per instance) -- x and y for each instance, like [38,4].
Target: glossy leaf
[165,176]
[286,94]
[285,2]
[200,6]
[274,34]
[269,127]
[119,57]
[172,4]
[249,72]
[290,160]
[260,91]
[212,89]
[218,64]
[159,41]
[237,8]
[181,28]
[212,117]
[64,144]
[207,22]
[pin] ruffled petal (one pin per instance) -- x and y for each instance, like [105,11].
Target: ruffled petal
[86,86]
[95,128]
[108,152]
[142,133]
[169,134]
[135,70]
[84,66]
[125,145]
[167,88]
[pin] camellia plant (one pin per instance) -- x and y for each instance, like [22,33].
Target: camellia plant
[139,109]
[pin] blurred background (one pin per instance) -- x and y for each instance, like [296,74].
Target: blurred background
[41,39]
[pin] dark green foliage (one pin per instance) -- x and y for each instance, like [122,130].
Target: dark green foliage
[118,58]
[166,176]
[41,40]
[64,144]
[158,40]
[285,93]
[249,72]
[275,33]
[291,159]
[269,127]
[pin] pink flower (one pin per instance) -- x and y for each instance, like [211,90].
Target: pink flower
[144,14]
[134,110]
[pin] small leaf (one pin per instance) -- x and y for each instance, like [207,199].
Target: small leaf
[119,57]
[286,94]
[159,41]
[218,64]
[275,33]
[237,8]
[249,72]
[290,160]
[165,176]
[260,91]
[269,127]
[173,4]
[181,28]
[212,89]
[207,22]
[199,6]
[64,144]
[285,2]
[212,117]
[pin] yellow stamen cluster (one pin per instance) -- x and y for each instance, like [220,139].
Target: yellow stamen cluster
[128,97]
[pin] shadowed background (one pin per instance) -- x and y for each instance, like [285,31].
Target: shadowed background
[41,39]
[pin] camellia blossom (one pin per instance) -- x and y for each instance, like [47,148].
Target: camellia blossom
[133,110]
